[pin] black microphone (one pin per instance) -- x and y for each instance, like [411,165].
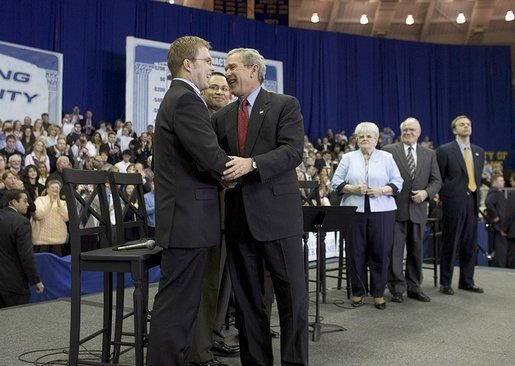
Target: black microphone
[149,244]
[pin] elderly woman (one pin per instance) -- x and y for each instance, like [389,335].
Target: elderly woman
[369,179]
[49,230]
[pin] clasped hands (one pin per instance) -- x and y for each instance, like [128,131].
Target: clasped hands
[235,168]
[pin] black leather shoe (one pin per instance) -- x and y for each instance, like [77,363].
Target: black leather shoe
[446,290]
[221,349]
[397,297]
[472,288]
[212,362]
[420,296]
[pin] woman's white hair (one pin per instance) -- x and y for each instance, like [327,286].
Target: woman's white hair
[367,127]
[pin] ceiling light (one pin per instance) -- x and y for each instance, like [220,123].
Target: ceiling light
[410,20]
[460,19]
[509,16]
[363,19]
[171,2]
[315,18]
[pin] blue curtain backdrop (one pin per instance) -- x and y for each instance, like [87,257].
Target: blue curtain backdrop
[339,79]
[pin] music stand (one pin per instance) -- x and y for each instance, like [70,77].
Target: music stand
[322,219]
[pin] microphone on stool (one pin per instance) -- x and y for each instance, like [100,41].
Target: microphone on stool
[149,244]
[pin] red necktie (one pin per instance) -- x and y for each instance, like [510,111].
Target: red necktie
[243,125]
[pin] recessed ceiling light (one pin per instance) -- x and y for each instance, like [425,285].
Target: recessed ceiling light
[363,19]
[460,19]
[315,18]
[410,20]
[509,16]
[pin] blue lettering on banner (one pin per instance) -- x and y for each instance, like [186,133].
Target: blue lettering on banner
[14,94]
[21,77]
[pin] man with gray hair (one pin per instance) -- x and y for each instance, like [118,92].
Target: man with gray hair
[419,169]
[263,211]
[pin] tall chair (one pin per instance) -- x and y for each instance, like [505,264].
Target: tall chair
[88,211]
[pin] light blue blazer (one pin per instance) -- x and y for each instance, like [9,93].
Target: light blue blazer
[381,171]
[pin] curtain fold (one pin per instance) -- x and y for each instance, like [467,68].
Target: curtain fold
[339,79]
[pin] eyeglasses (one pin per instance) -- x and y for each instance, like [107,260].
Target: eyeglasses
[207,60]
[217,88]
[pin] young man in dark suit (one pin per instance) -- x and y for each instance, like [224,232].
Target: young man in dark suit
[188,167]
[17,268]
[421,182]
[461,165]
[263,211]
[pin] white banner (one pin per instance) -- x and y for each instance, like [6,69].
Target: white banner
[332,245]
[30,82]
[148,79]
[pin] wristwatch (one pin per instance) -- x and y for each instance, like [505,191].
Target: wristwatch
[254,165]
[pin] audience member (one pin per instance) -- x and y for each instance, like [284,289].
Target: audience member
[49,231]
[112,149]
[17,267]
[58,150]
[38,154]
[369,179]
[125,162]
[150,203]
[419,170]
[10,147]
[31,183]
[42,173]
[461,165]
[27,139]
[15,163]
[62,163]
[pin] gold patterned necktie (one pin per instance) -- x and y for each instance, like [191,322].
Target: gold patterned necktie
[470,169]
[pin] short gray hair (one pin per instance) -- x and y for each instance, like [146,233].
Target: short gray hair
[365,127]
[249,57]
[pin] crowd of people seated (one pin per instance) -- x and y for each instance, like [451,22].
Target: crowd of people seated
[33,153]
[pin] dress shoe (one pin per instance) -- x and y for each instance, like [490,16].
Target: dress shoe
[221,349]
[357,302]
[446,290]
[420,296]
[397,297]
[471,288]
[211,362]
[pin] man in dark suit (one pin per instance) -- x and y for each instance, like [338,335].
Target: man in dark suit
[263,211]
[461,165]
[188,165]
[496,204]
[112,149]
[422,181]
[17,268]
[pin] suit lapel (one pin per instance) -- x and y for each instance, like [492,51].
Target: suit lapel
[259,110]
[399,151]
[459,156]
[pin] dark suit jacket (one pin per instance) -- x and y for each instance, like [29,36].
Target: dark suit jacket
[427,177]
[17,268]
[510,215]
[187,161]
[454,176]
[269,197]
[496,207]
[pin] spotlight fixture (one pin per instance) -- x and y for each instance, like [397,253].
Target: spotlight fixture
[315,18]
[364,19]
[410,20]
[509,17]
[460,19]
[171,2]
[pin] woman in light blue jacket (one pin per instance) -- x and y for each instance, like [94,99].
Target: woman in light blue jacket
[369,179]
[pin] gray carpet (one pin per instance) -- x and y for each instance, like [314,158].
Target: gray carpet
[464,329]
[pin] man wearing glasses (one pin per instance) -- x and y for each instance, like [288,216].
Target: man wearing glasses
[188,166]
